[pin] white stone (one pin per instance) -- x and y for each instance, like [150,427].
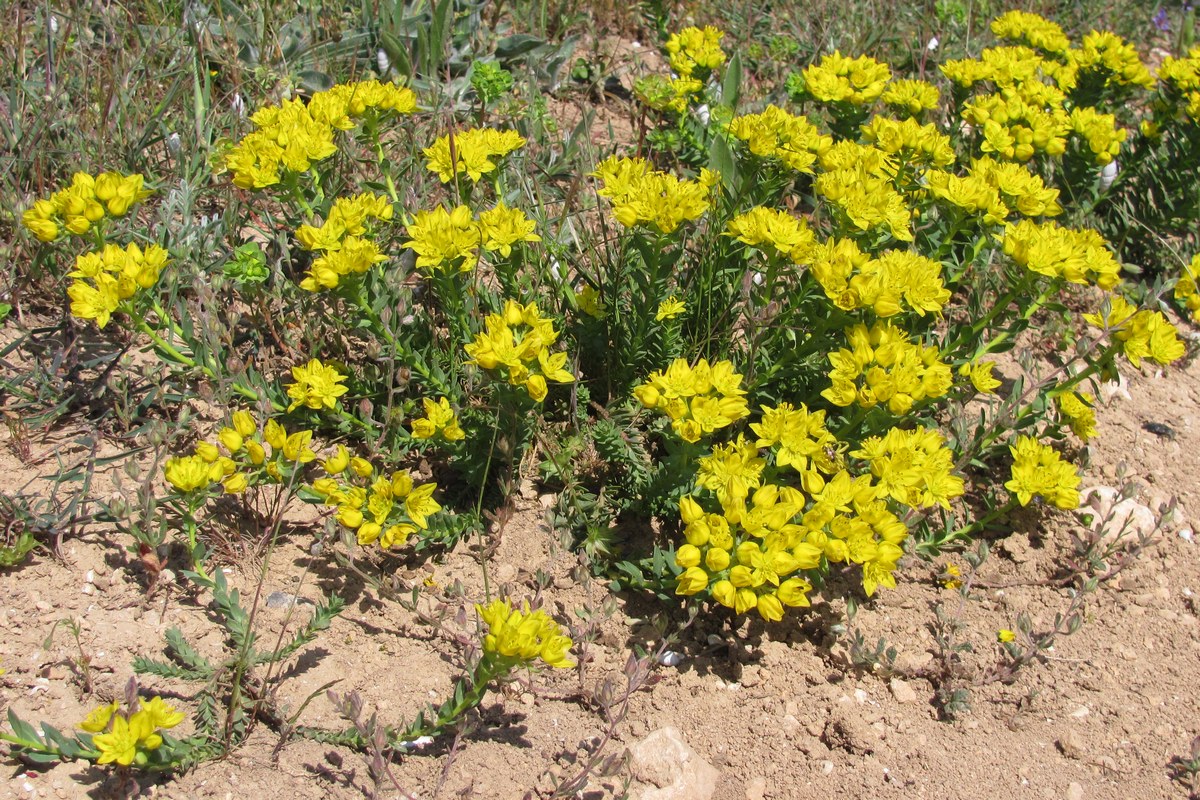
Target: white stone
[673,770]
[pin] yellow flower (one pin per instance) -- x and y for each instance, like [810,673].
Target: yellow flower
[524,635]
[98,719]
[670,308]
[187,473]
[317,386]
[119,746]
[1004,635]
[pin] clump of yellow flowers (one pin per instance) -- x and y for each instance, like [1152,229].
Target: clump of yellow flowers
[84,204]
[250,457]
[293,135]
[126,739]
[439,420]
[317,386]
[882,367]
[1185,287]
[516,346]
[1140,333]
[517,638]
[343,241]
[105,281]
[450,240]
[471,152]
[698,400]
[1038,470]
[378,508]
[644,196]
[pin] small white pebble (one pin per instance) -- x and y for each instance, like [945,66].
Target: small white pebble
[1187,535]
[670,658]
[933,44]
[417,743]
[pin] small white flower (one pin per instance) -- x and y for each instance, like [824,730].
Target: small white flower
[757,277]
[382,61]
[1108,174]
[933,44]
[238,104]
[702,114]
[53,21]
[670,658]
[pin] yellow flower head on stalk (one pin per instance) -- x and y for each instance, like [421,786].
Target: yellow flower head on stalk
[471,152]
[294,135]
[516,345]
[589,301]
[911,97]
[669,309]
[910,141]
[1076,409]
[799,440]
[777,134]
[1038,470]
[349,216]
[1099,132]
[1077,255]
[838,79]
[129,738]
[695,51]
[439,418]
[762,227]
[698,399]
[1036,30]
[502,227]
[317,386]
[882,367]
[378,508]
[912,467]
[524,636]
[83,204]
[187,473]
[980,375]
[104,279]
[444,240]
[1185,288]
[1141,334]
[641,196]
[1019,188]
[1106,58]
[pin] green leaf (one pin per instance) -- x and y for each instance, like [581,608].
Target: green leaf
[721,161]
[731,85]
[184,653]
[23,729]
[518,44]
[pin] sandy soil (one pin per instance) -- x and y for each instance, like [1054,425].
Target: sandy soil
[778,712]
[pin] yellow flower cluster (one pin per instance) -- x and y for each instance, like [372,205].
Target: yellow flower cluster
[1015,129]
[1018,187]
[293,135]
[747,557]
[317,386]
[1076,409]
[670,308]
[1039,470]
[837,79]
[439,418]
[521,637]
[667,94]
[1036,30]
[776,134]
[471,152]
[761,227]
[104,280]
[861,187]
[517,345]
[798,439]
[912,467]
[248,461]
[911,97]
[1108,59]
[695,51]
[341,238]
[84,204]
[1142,334]
[1079,256]
[970,193]
[887,284]
[882,366]
[1185,288]
[377,508]
[1099,132]
[125,739]
[1180,82]
[698,400]
[641,195]
[979,373]
[913,142]
[449,241]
